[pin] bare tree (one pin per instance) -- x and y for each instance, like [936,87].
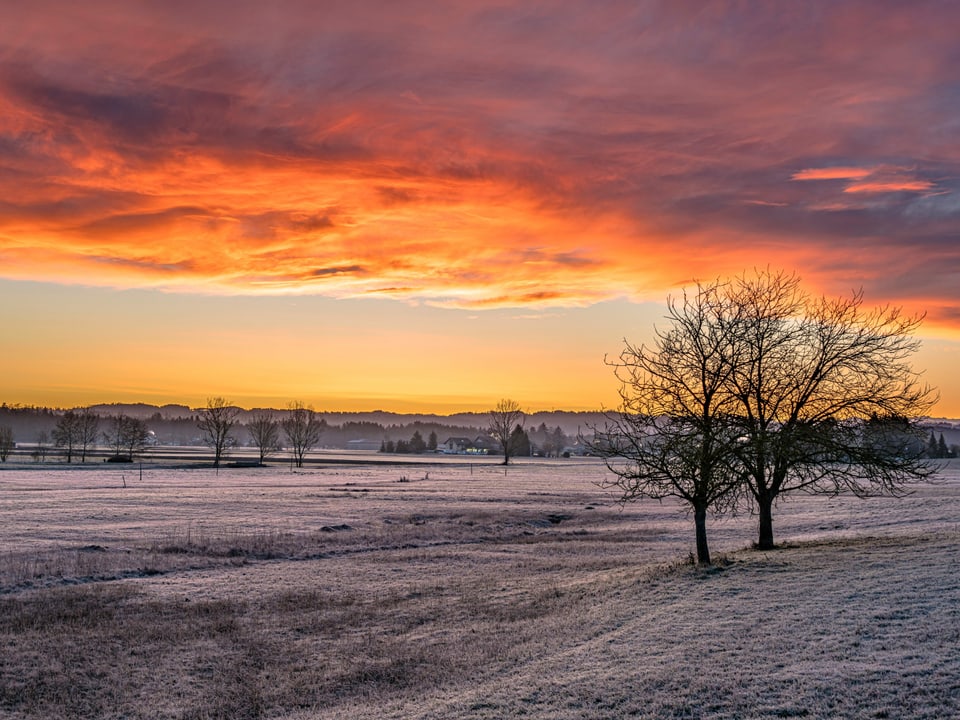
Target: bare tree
[558,441]
[39,453]
[265,432]
[113,435]
[817,382]
[66,433]
[503,419]
[302,429]
[135,436]
[216,423]
[87,424]
[6,442]
[671,437]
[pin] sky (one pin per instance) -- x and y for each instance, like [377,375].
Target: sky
[428,206]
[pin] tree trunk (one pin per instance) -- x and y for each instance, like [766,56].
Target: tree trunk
[765,540]
[703,551]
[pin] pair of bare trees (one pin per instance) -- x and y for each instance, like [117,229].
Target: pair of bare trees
[76,433]
[126,436]
[300,425]
[756,390]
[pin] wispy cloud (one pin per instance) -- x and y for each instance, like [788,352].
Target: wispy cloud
[889,185]
[869,180]
[832,173]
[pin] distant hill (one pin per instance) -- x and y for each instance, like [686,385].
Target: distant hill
[143,410]
[569,421]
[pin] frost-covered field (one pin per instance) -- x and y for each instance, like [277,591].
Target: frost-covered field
[456,589]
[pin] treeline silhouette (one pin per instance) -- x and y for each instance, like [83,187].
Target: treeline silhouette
[33,429]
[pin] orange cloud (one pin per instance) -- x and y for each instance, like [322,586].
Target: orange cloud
[831,173]
[873,180]
[891,185]
[468,156]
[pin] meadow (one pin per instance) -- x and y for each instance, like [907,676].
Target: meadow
[457,589]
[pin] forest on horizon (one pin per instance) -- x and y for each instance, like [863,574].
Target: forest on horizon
[174,424]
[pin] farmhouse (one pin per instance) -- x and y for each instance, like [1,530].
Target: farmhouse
[456,445]
[465,446]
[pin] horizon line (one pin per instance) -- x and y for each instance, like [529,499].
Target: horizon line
[198,408]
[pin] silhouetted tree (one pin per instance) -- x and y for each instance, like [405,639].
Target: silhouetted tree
[216,424]
[417,445]
[520,442]
[39,453]
[88,423]
[302,429]
[113,436]
[135,436]
[671,437]
[503,418]
[264,430]
[942,451]
[66,434]
[558,441]
[6,442]
[540,440]
[808,374]
[432,441]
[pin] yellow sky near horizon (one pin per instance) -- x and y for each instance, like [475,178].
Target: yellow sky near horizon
[144,346]
[436,205]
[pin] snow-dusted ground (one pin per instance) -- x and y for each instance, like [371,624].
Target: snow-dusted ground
[455,588]
[57,506]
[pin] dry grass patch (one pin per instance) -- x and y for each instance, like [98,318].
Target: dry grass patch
[816,630]
[202,546]
[113,651]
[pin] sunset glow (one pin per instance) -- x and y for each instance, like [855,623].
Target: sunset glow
[429,206]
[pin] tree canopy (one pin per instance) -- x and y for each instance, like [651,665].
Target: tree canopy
[756,389]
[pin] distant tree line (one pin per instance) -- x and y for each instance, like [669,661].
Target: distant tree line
[74,434]
[145,426]
[416,445]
